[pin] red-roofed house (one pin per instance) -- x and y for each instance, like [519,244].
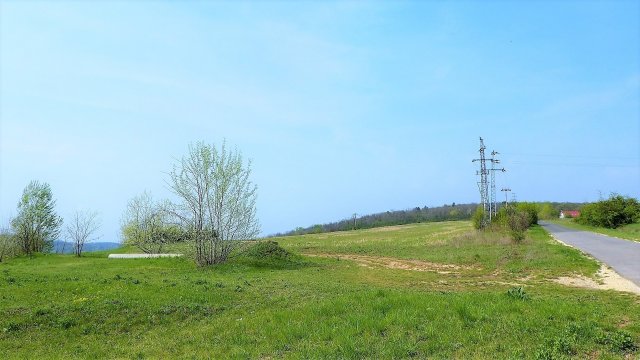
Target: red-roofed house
[569,214]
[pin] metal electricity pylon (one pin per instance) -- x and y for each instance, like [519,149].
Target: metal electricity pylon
[483,184]
[493,206]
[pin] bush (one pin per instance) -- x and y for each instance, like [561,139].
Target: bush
[501,220]
[531,211]
[267,250]
[269,254]
[478,217]
[515,221]
[518,225]
[611,213]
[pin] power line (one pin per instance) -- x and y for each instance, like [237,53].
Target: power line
[567,164]
[559,156]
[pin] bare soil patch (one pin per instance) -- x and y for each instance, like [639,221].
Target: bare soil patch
[395,263]
[607,279]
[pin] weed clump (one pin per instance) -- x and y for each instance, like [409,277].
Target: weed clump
[618,341]
[561,347]
[566,344]
[518,293]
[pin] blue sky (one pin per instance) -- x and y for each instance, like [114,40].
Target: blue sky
[343,107]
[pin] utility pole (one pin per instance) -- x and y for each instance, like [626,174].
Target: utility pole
[494,206]
[355,219]
[483,183]
[506,194]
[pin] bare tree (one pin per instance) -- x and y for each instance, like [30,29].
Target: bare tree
[144,224]
[218,201]
[61,249]
[82,228]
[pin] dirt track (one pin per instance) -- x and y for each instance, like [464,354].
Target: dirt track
[395,263]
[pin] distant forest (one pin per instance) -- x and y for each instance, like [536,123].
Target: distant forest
[61,247]
[409,216]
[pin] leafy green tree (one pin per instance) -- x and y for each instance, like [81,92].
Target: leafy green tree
[546,211]
[37,225]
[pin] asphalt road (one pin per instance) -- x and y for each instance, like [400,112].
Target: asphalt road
[621,255]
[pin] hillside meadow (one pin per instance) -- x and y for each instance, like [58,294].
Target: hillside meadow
[438,290]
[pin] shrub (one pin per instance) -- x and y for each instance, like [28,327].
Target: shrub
[531,210]
[501,220]
[514,220]
[478,218]
[267,250]
[519,222]
[611,213]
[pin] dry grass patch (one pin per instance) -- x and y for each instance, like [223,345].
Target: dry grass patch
[479,238]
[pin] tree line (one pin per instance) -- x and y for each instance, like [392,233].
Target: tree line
[390,218]
[445,212]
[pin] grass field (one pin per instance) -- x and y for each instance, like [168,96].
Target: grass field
[425,291]
[629,232]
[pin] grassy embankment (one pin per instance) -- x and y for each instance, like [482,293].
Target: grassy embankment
[629,232]
[459,301]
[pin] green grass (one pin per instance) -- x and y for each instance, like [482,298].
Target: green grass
[629,232]
[456,243]
[320,307]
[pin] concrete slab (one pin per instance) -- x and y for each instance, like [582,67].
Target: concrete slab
[141,256]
